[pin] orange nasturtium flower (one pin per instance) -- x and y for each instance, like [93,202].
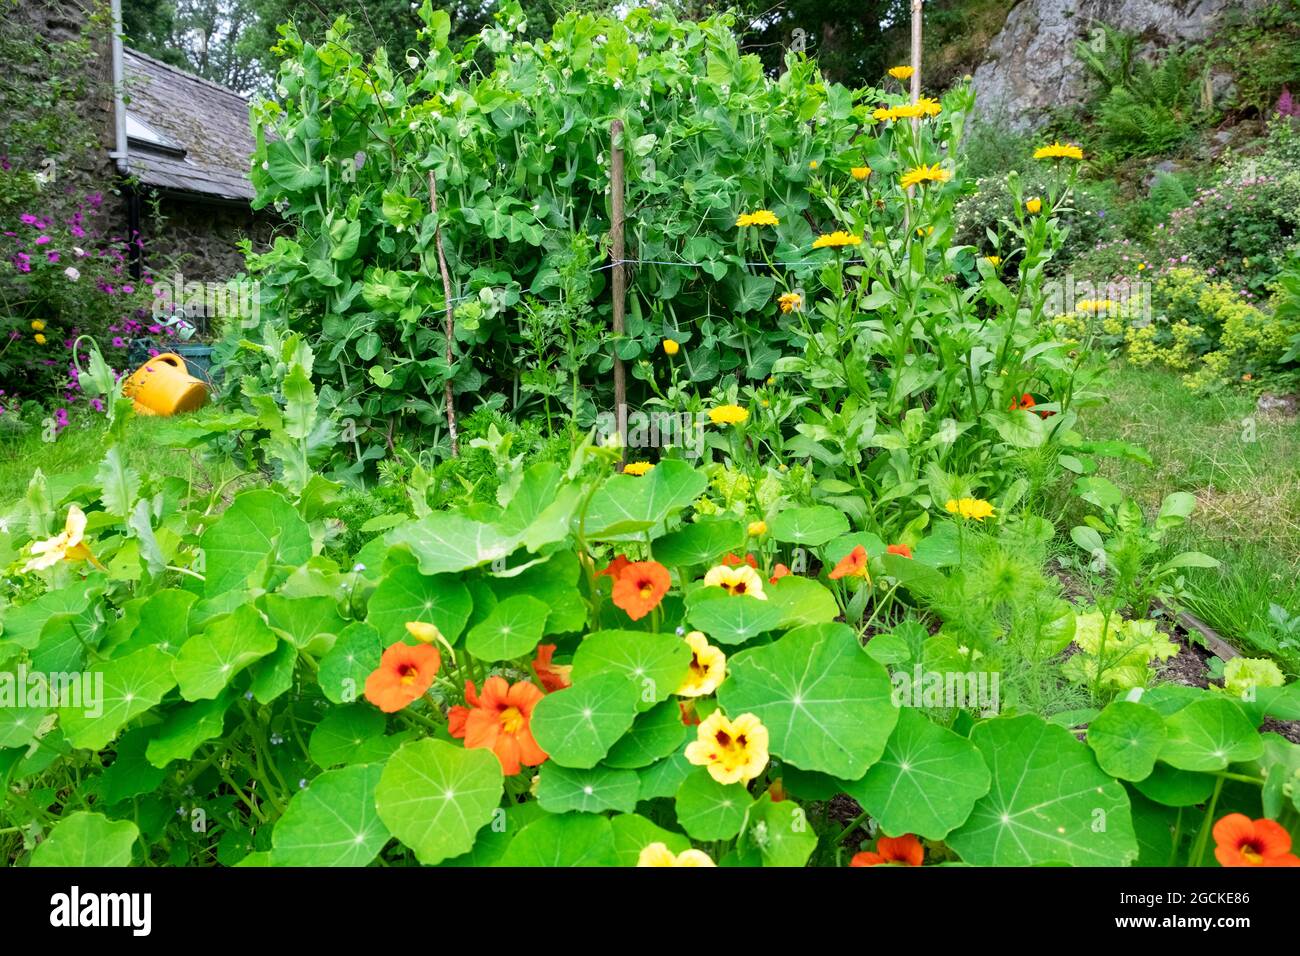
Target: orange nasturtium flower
[553,676]
[734,751]
[852,565]
[901,550]
[499,721]
[68,545]
[778,573]
[403,675]
[790,302]
[904,851]
[708,667]
[1025,401]
[640,587]
[1241,841]
[736,581]
[731,561]
[615,567]
[658,854]
[763,217]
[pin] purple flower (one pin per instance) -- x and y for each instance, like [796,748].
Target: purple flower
[28,219]
[23,262]
[42,240]
[118,343]
[52,256]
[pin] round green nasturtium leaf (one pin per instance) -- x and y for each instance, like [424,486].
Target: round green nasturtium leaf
[446,543]
[802,601]
[809,526]
[492,841]
[663,777]
[568,839]
[333,822]
[1153,824]
[164,622]
[84,839]
[633,833]
[1209,734]
[654,665]
[654,735]
[343,671]
[187,728]
[735,619]
[826,705]
[405,594]
[130,774]
[779,833]
[434,796]
[1127,737]
[703,542]
[209,661]
[132,685]
[259,529]
[564,789]
[811,785]
[554,582]
[709,810]
[342,732]
[1049,804]
[273,674]
[512,629]
[1175,788]
[628,504]
[926,782]
[18,725]
[310,623]
[577,726]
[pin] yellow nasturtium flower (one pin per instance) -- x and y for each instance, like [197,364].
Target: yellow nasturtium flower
[658,854]
[733,751]
[727,415]
[736,581]
[707,670]
[974,508]
[68,545]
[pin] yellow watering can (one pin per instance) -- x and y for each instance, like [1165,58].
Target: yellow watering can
[163,386]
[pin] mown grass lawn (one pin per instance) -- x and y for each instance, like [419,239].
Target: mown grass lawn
[1243,468]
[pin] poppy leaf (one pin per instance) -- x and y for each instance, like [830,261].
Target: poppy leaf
[826,704]
[578,725]
[809,526]
[84,839]
[654,665]
[568,839]
[926,782]
[512,629]
[709,810]
[564,789]
[435,796]
[209,661]
[1127,737]
[333,822]
[132,685]
[1209,734]
[405,594]
[1049,803]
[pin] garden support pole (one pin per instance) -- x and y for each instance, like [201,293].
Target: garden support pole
[916,53]
[617,187]
[449,321]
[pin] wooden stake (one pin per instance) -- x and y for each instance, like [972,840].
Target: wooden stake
[449,321]
[916,50]
[617,187]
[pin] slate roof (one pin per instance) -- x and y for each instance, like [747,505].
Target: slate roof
[204,141]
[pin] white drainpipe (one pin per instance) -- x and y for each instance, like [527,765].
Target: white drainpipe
[119,153]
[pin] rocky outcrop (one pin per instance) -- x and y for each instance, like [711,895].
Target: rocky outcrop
[1031,64]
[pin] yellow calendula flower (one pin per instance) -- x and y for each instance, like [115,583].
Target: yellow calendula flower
[1058,151]
[976,509]
[790,301]
[812,164]
[68,545]
[883,113]
[671,347]
[1096,305]
[901,72]
[727,415]
[763,217]
[737,581]
[708,667]
[637,467]
[835,240]
[658,854]
[922,107]
[860,172]
[38,325]
[40,339]
[925,174]
[757,529]
[733,751]
[1033,206]
[924,231]
[993,260]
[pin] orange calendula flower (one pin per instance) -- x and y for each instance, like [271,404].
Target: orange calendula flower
[637,468]
[68,545]
[1241,841]
[860,172]
[499,721]
[898,851]
[901,72]
[925,174]
[763,217]
[640,587]
[733,751]
[658,854]
[836,240]
[852,565]
[901,550]
[553,676]
[778,573]
[707,669]
[403,675]
[736,581]
[790,302]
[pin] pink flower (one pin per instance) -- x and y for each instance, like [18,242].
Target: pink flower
[42,240]
[118,343]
